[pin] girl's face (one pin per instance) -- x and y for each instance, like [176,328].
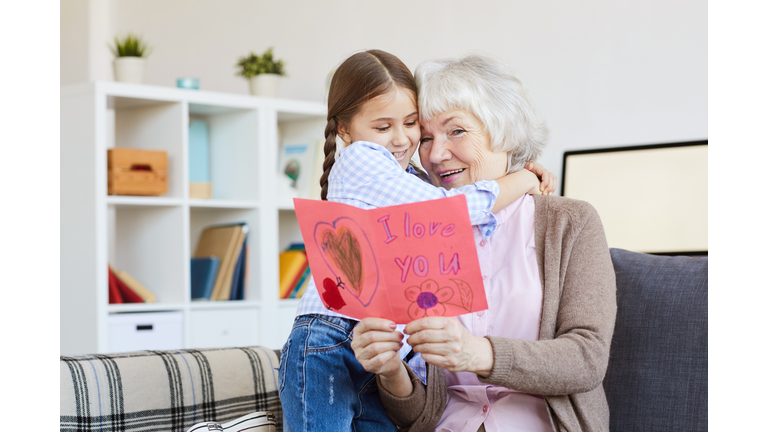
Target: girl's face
[390,120]
[456,152]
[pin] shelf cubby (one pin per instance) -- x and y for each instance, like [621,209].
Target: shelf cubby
[153,238]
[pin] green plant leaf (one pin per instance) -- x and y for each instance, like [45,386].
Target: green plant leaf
[129,46]
[251,65]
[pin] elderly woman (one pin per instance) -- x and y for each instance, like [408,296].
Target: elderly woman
[536,359]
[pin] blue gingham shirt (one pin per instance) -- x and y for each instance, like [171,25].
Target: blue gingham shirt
[366,175]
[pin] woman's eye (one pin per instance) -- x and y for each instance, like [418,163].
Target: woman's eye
[457,132]
[410,124]
[382,129]
[425,141]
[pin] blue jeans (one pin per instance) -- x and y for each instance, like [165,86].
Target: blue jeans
[322,385]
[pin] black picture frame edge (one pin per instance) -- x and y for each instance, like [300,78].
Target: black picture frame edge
[624,148]
[634,148]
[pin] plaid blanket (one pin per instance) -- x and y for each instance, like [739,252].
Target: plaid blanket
[166,390]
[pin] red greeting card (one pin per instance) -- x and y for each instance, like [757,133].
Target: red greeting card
[401,262]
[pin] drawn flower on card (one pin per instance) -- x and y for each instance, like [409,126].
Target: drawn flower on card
[428,299]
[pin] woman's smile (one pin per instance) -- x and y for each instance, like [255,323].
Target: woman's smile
[448,177]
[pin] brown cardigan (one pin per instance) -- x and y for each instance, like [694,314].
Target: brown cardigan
[568,362]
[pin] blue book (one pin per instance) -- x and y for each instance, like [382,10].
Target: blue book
[238,277]
[204,272]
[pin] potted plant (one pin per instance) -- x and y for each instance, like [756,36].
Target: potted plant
[262,72]
[130,58]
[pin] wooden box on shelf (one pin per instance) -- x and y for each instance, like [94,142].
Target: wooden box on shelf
[137,172]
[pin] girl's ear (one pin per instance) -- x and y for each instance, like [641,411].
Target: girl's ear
[343,131]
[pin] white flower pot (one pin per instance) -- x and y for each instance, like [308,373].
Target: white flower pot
[264,85]
[129,69]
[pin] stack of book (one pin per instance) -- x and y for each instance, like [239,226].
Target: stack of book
[220,263]
[294,271]
[125,289]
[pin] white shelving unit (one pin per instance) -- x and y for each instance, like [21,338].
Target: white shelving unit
[152,238]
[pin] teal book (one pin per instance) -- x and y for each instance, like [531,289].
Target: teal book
[204,271]
[199,152]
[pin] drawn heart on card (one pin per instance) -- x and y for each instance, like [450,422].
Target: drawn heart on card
[347,252]
[344,249]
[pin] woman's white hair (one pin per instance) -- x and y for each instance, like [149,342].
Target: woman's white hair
[491,91]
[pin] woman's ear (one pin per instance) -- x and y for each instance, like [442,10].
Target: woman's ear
[343,132]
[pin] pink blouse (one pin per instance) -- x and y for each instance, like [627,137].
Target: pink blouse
[513,289]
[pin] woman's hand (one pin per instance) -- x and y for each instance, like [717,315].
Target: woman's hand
[548,180]
[446,343]
[377,345]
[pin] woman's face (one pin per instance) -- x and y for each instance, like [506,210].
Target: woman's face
[456,152]
[390,120]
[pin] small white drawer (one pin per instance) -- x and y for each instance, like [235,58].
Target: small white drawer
[145,331]
[224,328]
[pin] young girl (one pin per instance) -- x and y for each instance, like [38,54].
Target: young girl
[372,108]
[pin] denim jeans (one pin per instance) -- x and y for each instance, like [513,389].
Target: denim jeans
[322,385]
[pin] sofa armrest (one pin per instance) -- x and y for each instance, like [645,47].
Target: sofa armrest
[169,390]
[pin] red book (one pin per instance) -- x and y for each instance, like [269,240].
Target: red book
[125,292]
[114,292]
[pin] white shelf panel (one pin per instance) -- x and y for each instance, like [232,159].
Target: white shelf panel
[144,307]
[214,203]
[283,205]
[143,201]
[224,305]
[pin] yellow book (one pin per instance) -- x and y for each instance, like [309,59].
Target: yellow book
[136,287]
[219,241]
[291,263]
[226,287]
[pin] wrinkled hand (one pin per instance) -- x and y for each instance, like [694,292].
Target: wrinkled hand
[446,343]
[376,344]
[547,179]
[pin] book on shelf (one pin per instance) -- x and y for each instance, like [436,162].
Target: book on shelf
[127,295]
[303,288]
[294,270]
[114,292]
[223,242]
[298,290]
[238,276]
[226,242]
[229,276]
[204,270]
[135,286]
[200,186]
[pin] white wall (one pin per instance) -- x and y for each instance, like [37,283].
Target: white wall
[603,73]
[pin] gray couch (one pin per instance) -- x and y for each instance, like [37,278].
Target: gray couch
[656,378]
[657,372]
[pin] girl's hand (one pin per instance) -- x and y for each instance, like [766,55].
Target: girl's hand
[377,345]
[548,180]
[446,343]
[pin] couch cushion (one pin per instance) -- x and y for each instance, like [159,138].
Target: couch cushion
[166,390]
[657,372]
